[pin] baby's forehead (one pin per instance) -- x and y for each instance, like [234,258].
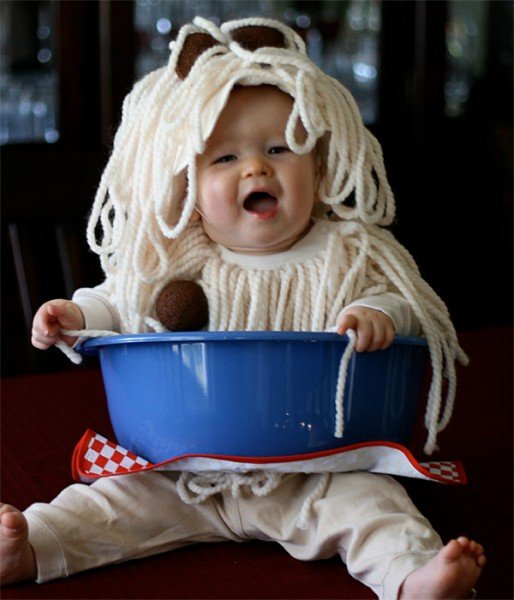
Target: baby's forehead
[243,96]
[253,109]
[241,132]
[260,90]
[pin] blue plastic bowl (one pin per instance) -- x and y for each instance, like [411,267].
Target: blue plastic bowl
[254,394]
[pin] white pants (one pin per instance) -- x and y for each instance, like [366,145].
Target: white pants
[367,519]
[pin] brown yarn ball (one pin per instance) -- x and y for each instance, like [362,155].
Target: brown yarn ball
[182,306]
[253,37]
[194,45]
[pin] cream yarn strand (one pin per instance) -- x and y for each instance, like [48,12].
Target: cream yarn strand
[195,488]
[341,382]
[317,492]
[70,352]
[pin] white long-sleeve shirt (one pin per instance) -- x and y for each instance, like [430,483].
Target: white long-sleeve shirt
[298,289]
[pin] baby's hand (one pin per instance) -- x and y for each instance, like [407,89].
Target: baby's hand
[50,318]
[374,329]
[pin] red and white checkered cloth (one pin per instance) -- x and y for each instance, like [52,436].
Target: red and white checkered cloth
[445,470]
[103,457]
[95,456]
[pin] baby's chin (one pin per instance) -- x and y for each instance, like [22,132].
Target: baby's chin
[265,247]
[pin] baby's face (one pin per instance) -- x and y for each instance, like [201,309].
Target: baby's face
[254,194]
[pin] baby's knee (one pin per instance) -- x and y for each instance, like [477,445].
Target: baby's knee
[367,504]
[363,488]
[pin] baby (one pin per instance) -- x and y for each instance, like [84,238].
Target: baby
[221,163]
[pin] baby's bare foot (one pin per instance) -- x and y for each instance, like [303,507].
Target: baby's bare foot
[17,562]
[451,574]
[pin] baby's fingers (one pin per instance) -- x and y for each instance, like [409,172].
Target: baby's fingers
[51,318]
[387,338]
[66,314]
[363,329]
[346,321]
[43,339]
[382,336]
[62,312]
[365,336]
[45,330]
[69,340]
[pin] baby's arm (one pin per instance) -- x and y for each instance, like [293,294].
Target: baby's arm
[376,319]
[374,329]
[89,309]
[51,318]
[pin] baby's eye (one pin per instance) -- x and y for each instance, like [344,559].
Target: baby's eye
[278,149]
[225,159]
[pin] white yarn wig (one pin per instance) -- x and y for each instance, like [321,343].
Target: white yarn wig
[140,223]
[147,193]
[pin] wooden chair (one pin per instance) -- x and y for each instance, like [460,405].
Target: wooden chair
[41,260]
[46,196]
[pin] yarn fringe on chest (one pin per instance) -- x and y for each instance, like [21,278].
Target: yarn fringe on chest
[358,260]
[303,296]
[140,220]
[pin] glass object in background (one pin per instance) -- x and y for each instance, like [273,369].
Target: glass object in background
[342,36]
[352,54]
[158,21]
[28,81]
[465,51]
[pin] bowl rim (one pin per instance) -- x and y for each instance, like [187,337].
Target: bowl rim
[91,346]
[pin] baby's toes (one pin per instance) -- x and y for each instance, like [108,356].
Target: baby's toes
[465,543]
[12,521]
[475,548]
[479,554]
[452,551]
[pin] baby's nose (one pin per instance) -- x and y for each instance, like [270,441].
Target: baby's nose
[256,166]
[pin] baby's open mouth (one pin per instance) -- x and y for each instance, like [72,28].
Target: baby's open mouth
[260,202]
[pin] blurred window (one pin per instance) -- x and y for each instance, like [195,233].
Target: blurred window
[28,81]
[466,46]
[342,37]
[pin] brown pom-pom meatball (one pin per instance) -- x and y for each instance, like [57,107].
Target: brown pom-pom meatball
[182,306]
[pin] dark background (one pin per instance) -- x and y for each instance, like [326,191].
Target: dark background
[452,177]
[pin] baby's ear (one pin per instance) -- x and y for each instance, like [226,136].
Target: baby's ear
[196,216]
